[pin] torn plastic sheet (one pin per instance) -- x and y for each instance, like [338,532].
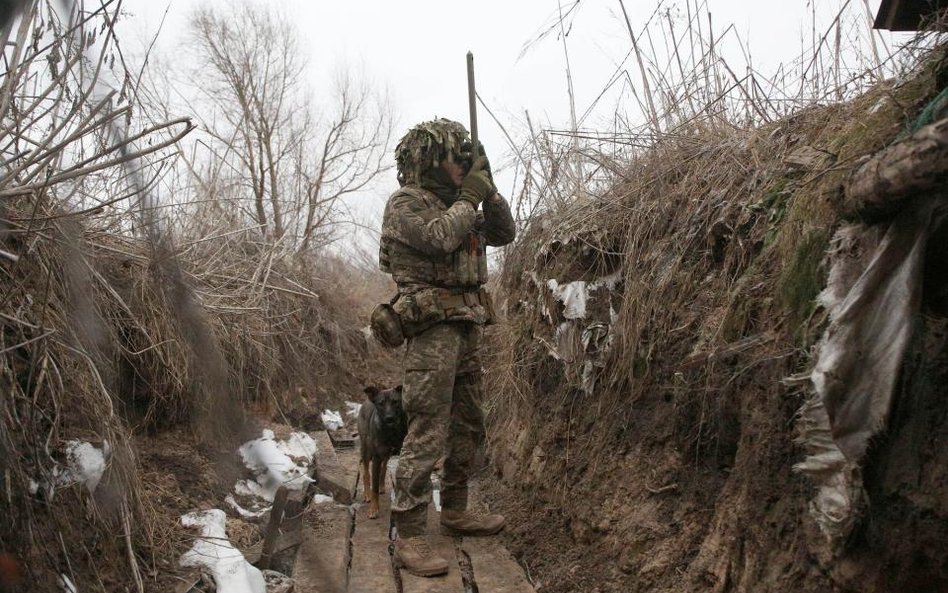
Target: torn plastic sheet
[860,355]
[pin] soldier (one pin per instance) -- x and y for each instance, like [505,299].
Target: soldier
[434,236]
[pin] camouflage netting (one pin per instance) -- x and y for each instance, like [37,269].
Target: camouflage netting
[426,145]
[657,351]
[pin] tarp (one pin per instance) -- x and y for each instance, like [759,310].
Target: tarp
[871,314]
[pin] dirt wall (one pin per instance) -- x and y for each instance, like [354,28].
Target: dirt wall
[645,387]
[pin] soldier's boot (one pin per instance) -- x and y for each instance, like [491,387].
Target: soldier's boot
[470,523]
[416,556]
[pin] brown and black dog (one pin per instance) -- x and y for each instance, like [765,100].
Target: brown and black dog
[382,429]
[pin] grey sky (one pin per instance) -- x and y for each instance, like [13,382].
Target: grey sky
[417,50]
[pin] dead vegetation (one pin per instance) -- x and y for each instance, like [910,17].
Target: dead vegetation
[654,422]
[118,321]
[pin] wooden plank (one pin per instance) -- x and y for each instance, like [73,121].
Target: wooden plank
[331,477]
[371,568]
[445,546]
[323,559]
[272,532]
[495,570]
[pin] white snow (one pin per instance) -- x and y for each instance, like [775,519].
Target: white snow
[232,502]
[214,552]
[322,499]
[85,464]
[331,420]
[353,408]
[274,464]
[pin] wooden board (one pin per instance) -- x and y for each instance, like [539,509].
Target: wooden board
[445,546]
[322,561]
[495,570]
[371,569]
[331,477]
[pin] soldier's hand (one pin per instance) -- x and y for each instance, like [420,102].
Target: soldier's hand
[477,185]
[469,155]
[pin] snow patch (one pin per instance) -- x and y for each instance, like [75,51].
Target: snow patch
[214,553]
[274,464]
[232,503]
[331,420]
[85,464]
[353,408]
[321,499]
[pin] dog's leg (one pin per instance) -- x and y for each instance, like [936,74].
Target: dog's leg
[384,469]
[366,482]
[376,474]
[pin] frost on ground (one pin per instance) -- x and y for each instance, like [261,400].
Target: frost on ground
[85,464]
[274,463]
[213,552]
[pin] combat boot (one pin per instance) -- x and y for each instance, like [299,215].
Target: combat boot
[470,523]
[416,556]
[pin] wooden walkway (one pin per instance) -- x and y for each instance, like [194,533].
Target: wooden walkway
[343,551]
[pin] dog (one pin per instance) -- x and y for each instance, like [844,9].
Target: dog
[382,429]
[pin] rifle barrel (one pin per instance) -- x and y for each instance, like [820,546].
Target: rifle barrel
[472,99]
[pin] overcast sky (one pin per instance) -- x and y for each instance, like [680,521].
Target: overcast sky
[417,50]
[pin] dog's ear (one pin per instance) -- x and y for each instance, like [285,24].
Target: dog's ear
[372,392]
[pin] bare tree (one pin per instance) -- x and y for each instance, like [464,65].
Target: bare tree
[291,162]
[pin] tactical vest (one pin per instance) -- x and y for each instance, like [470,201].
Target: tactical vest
[466,266]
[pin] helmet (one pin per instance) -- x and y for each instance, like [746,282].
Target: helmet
[426,145]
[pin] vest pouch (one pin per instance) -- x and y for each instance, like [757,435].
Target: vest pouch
[386,326]
[419,311]
[487,301]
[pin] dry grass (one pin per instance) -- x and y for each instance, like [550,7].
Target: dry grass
[114,325]
[718,229]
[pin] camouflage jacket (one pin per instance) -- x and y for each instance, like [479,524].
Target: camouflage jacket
[427,244]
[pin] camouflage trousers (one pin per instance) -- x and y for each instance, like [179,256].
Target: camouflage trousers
[442,399]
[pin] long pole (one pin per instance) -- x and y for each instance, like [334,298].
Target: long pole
[472,100]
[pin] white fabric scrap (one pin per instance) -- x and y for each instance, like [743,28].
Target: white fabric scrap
[573,295]
[66,584]
[214,553]
[331,420]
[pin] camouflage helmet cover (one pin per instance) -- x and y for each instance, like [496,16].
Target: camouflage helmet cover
[426,145]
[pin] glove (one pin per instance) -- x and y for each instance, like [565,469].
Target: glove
[477,185]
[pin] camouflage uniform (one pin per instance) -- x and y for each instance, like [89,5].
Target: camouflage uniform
[434,246]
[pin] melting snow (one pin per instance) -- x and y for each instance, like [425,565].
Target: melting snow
[85,464]
[274,464]
[214,552]
[321,499]
[353,408]
[331,420]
